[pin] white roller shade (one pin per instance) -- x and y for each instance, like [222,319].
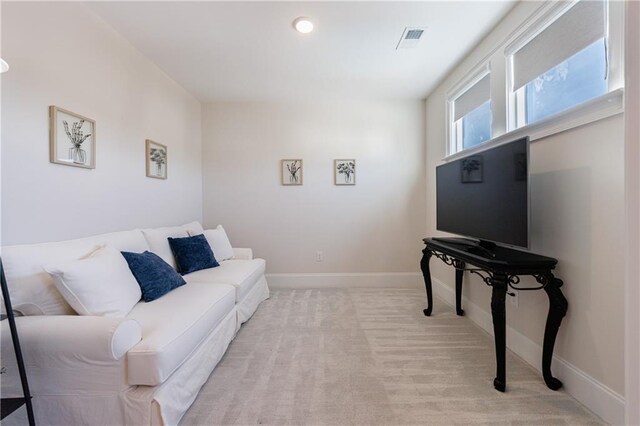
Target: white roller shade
[576,29]
[477,94]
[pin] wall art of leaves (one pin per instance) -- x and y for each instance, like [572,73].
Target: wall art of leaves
[345,172]
[159,157]
[156,162]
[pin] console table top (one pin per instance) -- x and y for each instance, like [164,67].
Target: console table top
[496,258]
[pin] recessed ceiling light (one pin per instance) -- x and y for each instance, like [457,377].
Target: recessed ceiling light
[303,25]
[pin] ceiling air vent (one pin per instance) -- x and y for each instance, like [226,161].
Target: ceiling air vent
[410,37]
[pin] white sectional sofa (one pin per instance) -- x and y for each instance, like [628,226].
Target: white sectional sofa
[146,368]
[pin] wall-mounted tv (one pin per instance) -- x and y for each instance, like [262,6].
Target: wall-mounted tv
[485,195]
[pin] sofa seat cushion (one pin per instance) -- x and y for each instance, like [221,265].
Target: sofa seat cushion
[242,274]
[173,327]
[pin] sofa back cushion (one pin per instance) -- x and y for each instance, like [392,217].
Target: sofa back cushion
[157,239]
[32,290]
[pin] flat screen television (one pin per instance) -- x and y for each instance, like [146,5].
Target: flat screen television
[485,195]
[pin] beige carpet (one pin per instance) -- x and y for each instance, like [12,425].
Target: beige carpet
[369,357]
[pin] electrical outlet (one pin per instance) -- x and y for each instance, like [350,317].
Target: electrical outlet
[513,299]
[319,256]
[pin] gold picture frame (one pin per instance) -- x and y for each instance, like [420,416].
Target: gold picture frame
[72,139]
[291,171]
[156,159]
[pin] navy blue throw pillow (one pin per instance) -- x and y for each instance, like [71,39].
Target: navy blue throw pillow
[192,253]
[155,276]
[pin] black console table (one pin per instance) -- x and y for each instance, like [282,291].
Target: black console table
[500,268]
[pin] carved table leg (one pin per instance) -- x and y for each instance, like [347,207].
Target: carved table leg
[557,310]
[459,275]
[426,273]
[499,286]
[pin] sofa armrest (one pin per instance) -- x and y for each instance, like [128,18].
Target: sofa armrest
[92,339]
[242,253]
[69,354]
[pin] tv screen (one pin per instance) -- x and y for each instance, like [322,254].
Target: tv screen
[486,195]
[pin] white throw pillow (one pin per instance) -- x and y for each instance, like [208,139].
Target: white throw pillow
[33,291]
[193,228]
[219,242]
[158,243]
[99,283]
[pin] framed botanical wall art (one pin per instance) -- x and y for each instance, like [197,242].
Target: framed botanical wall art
[156,159]
[291,172]
[344,172]
[72,139]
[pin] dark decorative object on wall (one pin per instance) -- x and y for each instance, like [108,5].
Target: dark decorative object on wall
[72,138]
[291,172]
[471,169]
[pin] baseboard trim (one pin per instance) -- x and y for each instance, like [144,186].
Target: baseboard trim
[597,397]
[345,280]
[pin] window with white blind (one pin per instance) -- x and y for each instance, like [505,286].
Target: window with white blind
[562,67]
[470,112]
[560,63]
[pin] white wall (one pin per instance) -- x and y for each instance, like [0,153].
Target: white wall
[632,175]
[374,226]
[62,54]
[577,216]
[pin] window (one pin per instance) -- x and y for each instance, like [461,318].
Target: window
[572,82]
[562,66]
[476,126]
[470,109]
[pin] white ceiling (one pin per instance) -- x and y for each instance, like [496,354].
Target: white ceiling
[249,50]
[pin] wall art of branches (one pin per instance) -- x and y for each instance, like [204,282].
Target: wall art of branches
[291,171]
[72,138]
[76,137]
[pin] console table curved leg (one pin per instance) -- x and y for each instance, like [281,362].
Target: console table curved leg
[459,276]
[426,273]
[557,310]
[498,296]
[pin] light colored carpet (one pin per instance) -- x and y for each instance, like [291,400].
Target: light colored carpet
[369,357]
